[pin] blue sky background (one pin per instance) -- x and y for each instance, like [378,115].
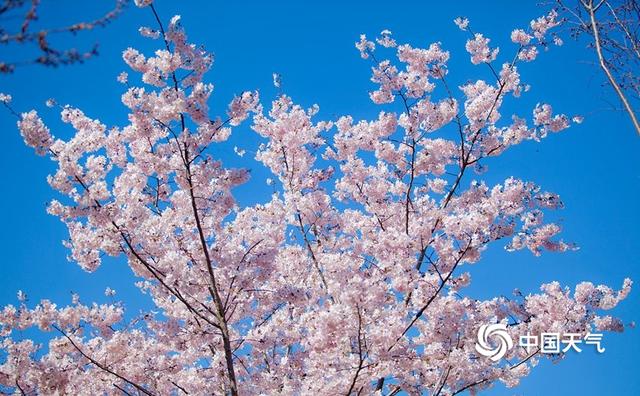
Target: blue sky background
[594,166]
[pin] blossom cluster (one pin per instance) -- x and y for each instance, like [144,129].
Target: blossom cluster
[350,279]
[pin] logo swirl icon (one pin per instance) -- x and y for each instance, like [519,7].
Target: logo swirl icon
[493,341]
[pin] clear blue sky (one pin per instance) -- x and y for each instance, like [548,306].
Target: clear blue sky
[594,166]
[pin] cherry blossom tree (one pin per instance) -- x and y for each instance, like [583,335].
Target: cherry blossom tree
[349,280]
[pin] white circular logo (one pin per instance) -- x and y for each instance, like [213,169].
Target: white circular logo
[497,333]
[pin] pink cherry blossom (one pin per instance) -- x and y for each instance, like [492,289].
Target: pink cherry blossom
[34,132]
[240,107]
[148,32]
[541,26]
[521,37]
[461,23]
[386,40]
[365,46]
[528,54]
[143,3]
[478,48]
[543,117]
